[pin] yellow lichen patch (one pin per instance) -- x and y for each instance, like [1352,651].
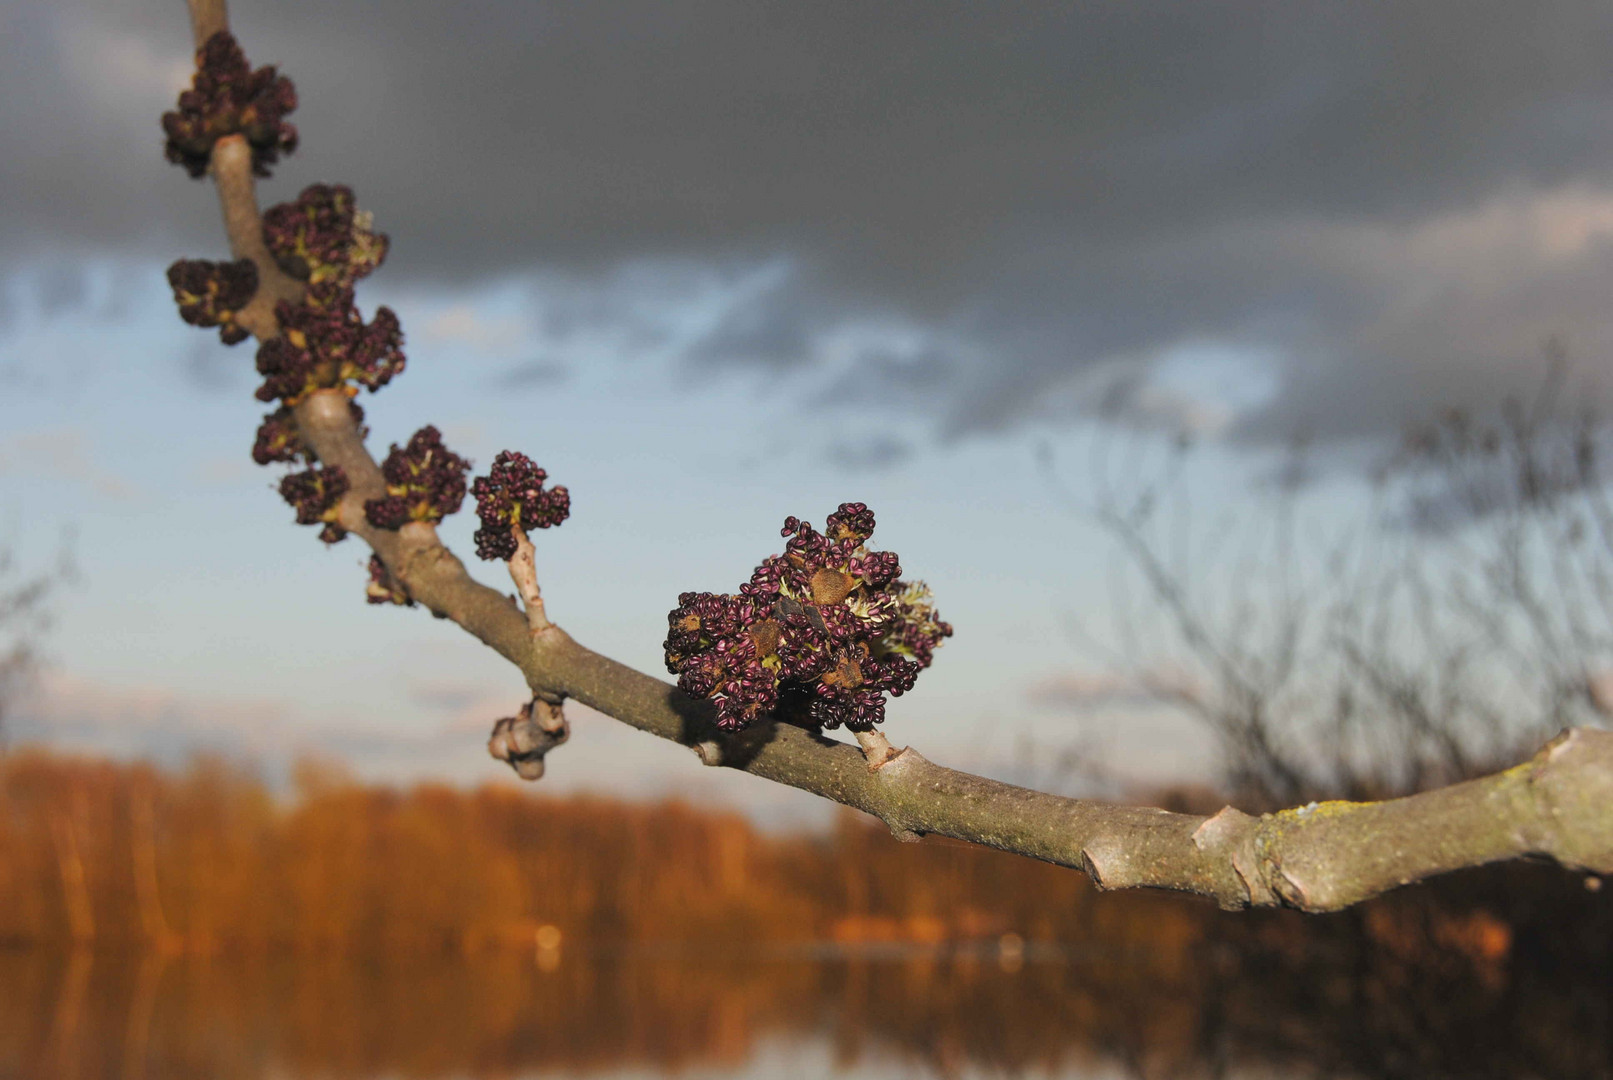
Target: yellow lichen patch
[1317,810]
[1524,771]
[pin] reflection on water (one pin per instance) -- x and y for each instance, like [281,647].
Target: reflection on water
[1400,989]
[986,1011]
[177,926]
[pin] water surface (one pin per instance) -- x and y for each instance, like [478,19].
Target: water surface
[646,1011]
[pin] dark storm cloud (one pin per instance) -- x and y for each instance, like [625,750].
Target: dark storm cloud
[870,453]
[775,330]
[532,375]
[1389,203]
[884,375]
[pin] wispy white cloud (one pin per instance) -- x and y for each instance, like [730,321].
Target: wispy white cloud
[1074,689]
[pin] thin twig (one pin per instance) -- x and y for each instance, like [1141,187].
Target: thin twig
[524,572]
[876,748]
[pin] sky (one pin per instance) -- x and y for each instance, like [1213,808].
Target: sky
[716,263]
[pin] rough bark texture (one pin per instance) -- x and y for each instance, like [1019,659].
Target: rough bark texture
[1320,857]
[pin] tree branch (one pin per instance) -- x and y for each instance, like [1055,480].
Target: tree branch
[524,572]
[1316,858]
[207,17]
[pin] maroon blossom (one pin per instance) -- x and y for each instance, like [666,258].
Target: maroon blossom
[323,237]
[425,481]
[324,342]
[227,97]
[278,439]
[819,634]
[511,496]
[316,494]
[213,294]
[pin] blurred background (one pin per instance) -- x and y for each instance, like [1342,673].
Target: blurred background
[1235,374]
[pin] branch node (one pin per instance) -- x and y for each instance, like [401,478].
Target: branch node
[1230,832]
[709,751]
[522,740]
[1217,831]
[1089,867]
[549,696]
[1289,889]
[1571,780]
[877,749]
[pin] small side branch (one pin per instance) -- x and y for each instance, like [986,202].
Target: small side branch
[524,572]
[876,748]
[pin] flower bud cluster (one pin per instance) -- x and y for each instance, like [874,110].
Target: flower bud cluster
[819,635]
[323,238]
[316,494]
[213,293]
[278,439]
[425,481]
[324,342]
[227,97]
[511,497]
[384,588]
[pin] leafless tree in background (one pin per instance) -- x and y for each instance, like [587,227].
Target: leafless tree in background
[1466,613]
[23,620]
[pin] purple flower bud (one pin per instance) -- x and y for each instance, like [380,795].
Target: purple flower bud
[212,294]
[511,496]
[324,342]
[851,521]
[316,495]
[322,238]
[227,97]
[877,567]
[819,635]
[425,481]
[278,439]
